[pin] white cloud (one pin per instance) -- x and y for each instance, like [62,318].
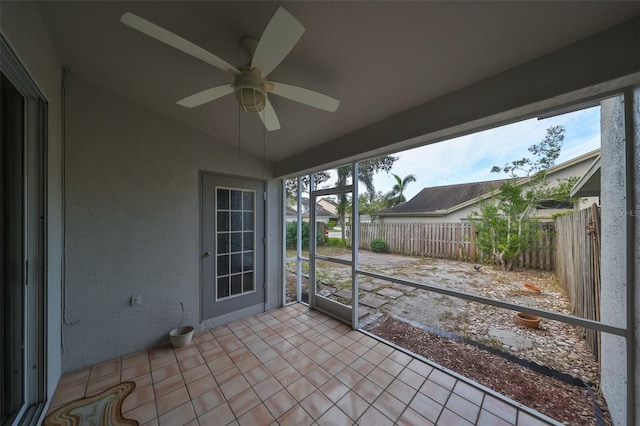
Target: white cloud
[470,158]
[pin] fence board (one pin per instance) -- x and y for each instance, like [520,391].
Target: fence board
[455,241]
[578,266]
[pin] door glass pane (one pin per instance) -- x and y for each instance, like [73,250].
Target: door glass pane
[236,263]
[223,199]
[247,282]
[223,265]
[248,221]
[236,221]
[247,201]
[223,243]
[235,242]
[223,287]
[236,284]
[247,243]
[223,221]
[247,262]
[236,200]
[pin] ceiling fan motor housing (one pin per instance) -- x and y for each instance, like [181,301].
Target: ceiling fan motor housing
[251,91]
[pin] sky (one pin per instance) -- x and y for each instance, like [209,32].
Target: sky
[470,158]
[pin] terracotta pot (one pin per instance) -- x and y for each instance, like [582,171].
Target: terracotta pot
[527,320]
[532,287]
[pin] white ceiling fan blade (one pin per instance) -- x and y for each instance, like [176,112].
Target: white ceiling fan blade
[269,117]
[305,96]
[173,40]
[205,96]
[282,33]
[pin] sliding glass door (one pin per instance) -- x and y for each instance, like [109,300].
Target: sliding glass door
[22,245]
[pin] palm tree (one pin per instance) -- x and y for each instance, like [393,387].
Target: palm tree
[396,195]
[366,170]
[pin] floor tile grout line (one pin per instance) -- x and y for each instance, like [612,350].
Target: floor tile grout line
[296,328]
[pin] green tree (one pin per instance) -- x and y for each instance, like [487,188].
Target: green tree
[505,225]
[366,171]
[396,195]
[369,205]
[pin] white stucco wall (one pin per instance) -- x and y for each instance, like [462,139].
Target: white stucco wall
[23,29]
[134,223]
[616,190]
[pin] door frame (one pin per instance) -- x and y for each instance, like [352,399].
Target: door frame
[337,310]
[219,319]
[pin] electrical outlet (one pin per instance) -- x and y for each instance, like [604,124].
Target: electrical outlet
[136,299]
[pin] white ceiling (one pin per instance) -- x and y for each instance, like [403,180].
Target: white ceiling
[379,58]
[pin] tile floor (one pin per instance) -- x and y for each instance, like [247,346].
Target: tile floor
[290,366]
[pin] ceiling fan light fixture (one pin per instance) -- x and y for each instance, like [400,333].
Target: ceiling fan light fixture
[250,85]
[250,91]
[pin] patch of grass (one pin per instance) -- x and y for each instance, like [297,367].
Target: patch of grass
[343,285]
[342,300]
[446,315]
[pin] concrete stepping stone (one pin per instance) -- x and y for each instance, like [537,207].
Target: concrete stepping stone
[363,311]
[372,302]
[368,286]
[389,292]
[345,294]
[403,287]
[327,291]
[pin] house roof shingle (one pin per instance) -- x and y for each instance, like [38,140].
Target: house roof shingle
[320,212]
[445,197]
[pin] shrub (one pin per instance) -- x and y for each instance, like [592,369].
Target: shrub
[379,246]
[336,242]
[332,224]
[292,235]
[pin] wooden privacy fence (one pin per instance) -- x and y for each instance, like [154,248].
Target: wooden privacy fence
[578,260]
[455,241]
[439,240]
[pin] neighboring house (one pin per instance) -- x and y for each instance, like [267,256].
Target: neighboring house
[322,215]
[588,185]
[291,215]
[304,205]
[329,205]
[454,203]
[326,210]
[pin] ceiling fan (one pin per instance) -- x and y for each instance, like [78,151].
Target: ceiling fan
[250,85]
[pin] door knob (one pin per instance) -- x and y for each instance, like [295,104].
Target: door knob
[207,253]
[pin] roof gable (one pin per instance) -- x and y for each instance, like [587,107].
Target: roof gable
[438,198]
